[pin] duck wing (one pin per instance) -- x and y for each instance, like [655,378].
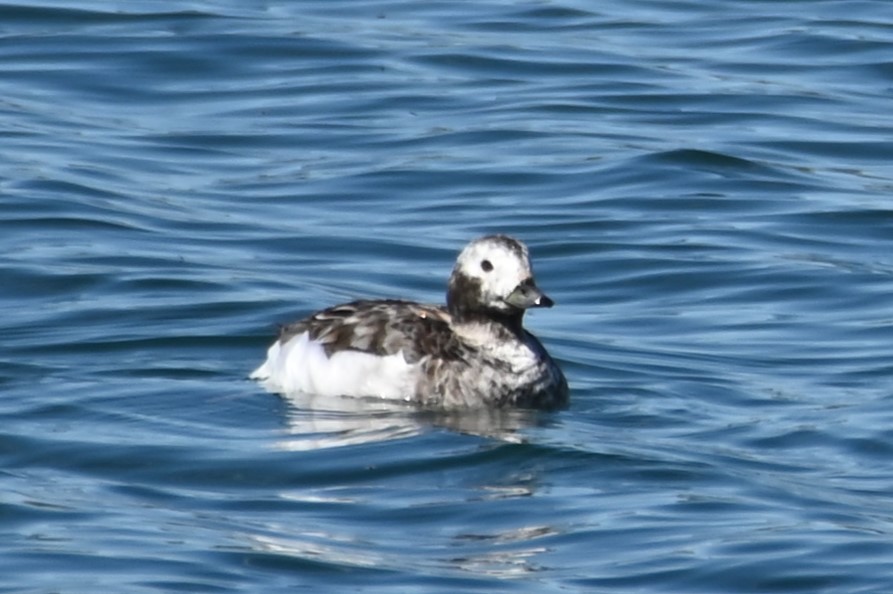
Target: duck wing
[381,327]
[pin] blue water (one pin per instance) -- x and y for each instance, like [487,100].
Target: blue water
[706,191]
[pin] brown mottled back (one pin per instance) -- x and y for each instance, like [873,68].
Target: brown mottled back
[382,327]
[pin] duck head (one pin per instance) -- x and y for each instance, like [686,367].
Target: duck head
[493,278]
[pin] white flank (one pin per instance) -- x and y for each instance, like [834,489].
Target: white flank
[301,366]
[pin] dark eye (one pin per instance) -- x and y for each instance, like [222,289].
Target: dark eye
[486,265]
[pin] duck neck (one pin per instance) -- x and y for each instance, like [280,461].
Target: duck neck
[504,324]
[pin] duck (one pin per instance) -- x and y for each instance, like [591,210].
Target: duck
[472,352]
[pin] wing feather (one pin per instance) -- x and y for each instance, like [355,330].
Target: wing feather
[383,327]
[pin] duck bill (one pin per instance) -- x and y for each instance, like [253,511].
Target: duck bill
[527,295]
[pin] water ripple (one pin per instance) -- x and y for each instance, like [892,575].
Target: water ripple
[705,190]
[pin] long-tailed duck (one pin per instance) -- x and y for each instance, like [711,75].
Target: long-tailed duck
[472,353]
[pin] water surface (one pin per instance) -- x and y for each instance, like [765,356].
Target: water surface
[705,190]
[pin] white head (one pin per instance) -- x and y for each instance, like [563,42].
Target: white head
[493,277]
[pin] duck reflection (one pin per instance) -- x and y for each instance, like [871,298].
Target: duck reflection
[399,516]
[314,422]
